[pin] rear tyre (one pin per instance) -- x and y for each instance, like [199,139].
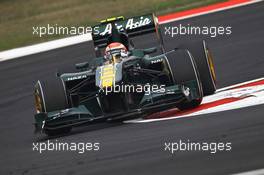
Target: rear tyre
[51,96]
[183,69]
[204,62]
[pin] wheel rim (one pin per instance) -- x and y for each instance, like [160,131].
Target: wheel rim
[211,64]
[38,104]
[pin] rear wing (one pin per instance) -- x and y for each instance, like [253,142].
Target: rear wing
[133,26]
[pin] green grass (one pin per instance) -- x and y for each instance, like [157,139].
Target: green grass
[17,17]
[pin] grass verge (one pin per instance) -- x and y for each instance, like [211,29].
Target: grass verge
[17,17]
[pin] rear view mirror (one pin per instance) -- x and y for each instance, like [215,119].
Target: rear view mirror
[83,65]
[150,50]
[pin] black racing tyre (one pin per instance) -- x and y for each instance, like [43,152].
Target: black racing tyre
[50,95]
[183,69]
[204,62]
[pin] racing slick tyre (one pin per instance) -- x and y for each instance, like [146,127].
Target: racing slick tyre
[204,62]
[182,68]
[51,96]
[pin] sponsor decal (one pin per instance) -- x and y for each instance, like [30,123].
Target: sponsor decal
[142,22]
[131,23]
[76,77]
[156,61]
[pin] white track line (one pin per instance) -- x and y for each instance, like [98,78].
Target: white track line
[211,11]
[253,172]
[239,84]
[42,47]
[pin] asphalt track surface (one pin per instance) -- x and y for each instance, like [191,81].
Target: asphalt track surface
[139,148]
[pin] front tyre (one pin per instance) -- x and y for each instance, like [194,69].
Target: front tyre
[51,96]
[183,69]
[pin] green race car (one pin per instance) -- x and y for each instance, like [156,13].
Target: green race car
[124,81]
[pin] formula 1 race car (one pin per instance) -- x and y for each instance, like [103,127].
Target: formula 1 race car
[123,81]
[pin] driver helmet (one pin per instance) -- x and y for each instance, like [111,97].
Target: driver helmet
[114,52]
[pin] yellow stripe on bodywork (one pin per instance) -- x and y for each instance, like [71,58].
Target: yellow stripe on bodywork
[107,76]
[112,19]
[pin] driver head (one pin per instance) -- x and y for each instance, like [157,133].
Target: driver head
[114,52]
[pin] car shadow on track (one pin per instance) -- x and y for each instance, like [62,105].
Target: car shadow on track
[78,130]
